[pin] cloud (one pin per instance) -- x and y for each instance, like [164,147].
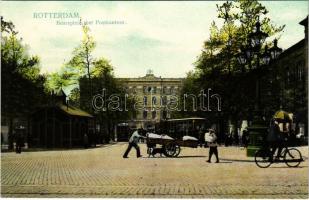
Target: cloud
[163,36]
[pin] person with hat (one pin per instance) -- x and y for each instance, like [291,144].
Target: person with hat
[211,139]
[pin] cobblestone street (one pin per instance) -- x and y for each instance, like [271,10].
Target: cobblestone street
[102,172]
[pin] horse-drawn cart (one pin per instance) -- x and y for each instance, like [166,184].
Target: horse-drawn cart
[169,146]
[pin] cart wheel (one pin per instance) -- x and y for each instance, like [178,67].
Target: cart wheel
[177,152]
[170,150]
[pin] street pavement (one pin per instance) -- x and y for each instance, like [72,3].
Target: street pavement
[102,172]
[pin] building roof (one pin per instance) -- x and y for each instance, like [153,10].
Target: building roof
[150,77]
[190,118]
[304,22]
[296,46]
[70,110]
[60,93]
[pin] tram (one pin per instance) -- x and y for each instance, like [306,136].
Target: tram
[177,128]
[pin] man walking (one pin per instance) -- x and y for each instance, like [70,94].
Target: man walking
[211,139]
[133,142]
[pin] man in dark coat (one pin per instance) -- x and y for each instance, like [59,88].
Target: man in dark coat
[274,138]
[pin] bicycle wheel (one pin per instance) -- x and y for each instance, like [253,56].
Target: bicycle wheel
[263,158]
[292,157]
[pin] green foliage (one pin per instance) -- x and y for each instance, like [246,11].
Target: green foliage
[102,67]
[217,66]
[78,66]
[74,97]
[62,79]
[82,59]
[22,85]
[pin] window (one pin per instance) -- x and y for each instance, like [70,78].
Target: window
[154,114]
[154,101]
[145,114]
[163,100]
[164,114]
[145,101]
[145,89]
[154,90]
[149,89]
[164,90]
[134,90]
[172,90]
[288,76]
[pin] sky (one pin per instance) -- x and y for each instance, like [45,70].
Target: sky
[166,37]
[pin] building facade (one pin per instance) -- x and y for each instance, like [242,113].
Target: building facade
[152,96]
[286,84]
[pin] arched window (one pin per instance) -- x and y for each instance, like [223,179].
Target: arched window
[149,89]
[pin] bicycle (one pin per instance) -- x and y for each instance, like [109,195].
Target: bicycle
[291,157]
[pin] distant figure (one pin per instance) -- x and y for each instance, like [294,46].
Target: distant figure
[133,142]
[19,142]
[1,139]
[86,142]
[245,137]
[200,137]
[211,139]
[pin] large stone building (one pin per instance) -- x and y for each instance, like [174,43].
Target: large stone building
[153,93]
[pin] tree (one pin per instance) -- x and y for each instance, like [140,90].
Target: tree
[217,66]
[22,87]
[74,97]
[83,60]
[62,79]
[79,65]
[103,78]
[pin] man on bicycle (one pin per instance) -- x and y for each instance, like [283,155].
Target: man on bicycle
[280,129]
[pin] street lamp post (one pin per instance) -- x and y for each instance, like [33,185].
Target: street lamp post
[249,54]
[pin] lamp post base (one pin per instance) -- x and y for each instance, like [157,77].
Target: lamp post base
[257,135]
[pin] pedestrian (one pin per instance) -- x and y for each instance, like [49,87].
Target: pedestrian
[133,142]
[245,137]
[86,141]
[200,139]
[19,142]
[211,139]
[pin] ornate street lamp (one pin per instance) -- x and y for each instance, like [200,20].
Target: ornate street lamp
[266,56]
[242,58]
[275,51]
[257,37]
[246,56]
